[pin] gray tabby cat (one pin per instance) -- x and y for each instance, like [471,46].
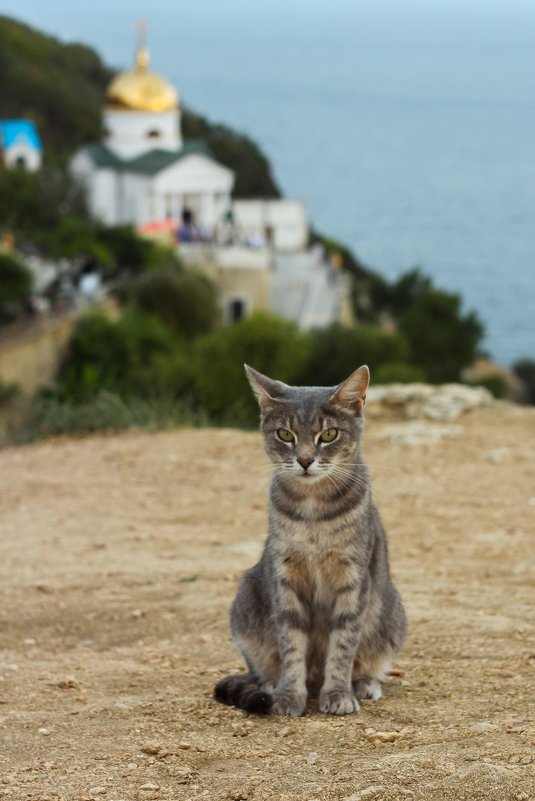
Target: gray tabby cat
[318,614]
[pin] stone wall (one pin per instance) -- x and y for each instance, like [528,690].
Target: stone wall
[30,354]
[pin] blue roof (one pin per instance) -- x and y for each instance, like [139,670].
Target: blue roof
[14,131]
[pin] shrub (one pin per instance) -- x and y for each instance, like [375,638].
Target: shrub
[8,393]
[442,340]
[495,383]
[137,354]
[337,351]
[271,345]
[50,416]
[131,253]
[184,300]
[74,237]
[15,284]
[399,373]
[525,370]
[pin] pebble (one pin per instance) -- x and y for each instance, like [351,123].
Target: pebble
[385,736]
[98,791]
[497,455]
[29,641]
[132,765]
[184,746]
[312,758]
[151,748]
[285,731]
[68,683]
[483,726]
[43,731]
[149,786]
[527,760]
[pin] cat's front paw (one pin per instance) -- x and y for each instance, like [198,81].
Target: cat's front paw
[338,702]
[290,704]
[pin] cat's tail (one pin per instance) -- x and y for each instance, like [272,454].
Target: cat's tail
[243,690]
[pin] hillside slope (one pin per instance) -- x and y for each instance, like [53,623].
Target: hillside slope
[62,86]
[119,559]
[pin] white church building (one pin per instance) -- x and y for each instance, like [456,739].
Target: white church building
[143,173]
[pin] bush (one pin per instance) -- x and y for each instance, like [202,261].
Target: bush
[75,237]
[136,354]
[8,393]
[185,301]
[399,373]
[496,384]
[50,416]
[131,253]
[337,351]
[442,340]
[15,284]
[271,345]
[32,204]
[525,370]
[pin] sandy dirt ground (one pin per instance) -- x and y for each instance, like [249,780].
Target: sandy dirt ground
[119,557]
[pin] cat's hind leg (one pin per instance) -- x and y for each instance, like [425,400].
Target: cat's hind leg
[368,673]
[366,688]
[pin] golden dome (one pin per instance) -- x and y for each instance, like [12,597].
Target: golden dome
[140,89]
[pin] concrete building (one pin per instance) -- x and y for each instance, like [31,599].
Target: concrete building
[280,223]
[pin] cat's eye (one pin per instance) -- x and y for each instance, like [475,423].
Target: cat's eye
[329,435]
[285,435]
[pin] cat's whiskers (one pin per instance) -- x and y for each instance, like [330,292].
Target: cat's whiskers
[349,476]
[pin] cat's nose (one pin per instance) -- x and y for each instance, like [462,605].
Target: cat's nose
[305,461]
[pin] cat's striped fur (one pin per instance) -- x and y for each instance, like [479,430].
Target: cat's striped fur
[318,615]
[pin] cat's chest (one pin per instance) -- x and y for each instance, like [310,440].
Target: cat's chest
[318,574]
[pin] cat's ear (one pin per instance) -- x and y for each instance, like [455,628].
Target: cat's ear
[352,392]
[267,390]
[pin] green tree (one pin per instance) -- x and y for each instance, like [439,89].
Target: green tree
[441,338]
[32,204]
[254,176]
[59,86]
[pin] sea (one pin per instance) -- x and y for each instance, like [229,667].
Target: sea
[407,129]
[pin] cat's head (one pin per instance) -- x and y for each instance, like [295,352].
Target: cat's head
[311,432]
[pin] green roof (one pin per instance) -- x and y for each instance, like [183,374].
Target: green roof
[102,157]
[149,163]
